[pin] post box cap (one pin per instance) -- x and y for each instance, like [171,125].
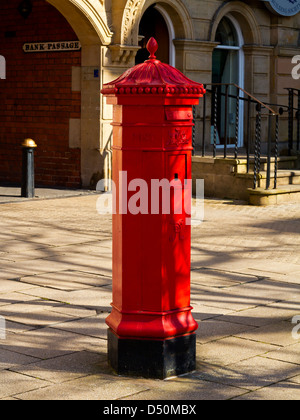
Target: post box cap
[154,77]
[29,143]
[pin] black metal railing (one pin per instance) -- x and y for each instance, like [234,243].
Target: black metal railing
[230,106]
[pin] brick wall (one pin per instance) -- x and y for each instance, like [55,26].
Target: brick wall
[36,99]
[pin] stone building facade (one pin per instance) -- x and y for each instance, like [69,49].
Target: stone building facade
[53,94]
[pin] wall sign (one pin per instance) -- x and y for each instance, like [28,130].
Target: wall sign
[283,7]
[38,47]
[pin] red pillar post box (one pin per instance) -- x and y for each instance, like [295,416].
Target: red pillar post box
[151,328]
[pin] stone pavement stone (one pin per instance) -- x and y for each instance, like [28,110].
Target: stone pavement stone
[231,350]
[285,391]
[252,373]
[91,387]
[9,359]
[55,294]
[286,354]
[13,383]
[69,367]
[12,194]
[189,388]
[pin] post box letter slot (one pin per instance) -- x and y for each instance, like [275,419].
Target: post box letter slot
[175,114]
[178,168]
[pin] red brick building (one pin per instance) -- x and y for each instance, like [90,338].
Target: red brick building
[36,98]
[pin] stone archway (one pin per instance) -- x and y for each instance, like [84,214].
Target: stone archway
[134,10]
[158,25]
[244,16]
[88,18]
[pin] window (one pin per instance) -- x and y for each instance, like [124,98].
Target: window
[228,69]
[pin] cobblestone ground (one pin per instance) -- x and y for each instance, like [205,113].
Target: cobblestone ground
[55,278]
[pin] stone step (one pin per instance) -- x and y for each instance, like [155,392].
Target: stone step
[286,194]
[228,178]
[283,162]
[284,177]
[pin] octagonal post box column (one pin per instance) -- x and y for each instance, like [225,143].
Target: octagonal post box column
[151,328]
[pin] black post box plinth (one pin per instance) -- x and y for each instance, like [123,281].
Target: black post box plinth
[28,184]
[156,359]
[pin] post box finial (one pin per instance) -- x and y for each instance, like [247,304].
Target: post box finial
[152,47]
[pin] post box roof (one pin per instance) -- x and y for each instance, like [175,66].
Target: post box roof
[153,77]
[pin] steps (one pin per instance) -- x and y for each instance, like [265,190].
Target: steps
[228,178]
[284,177]
[288,182]
[283,162]
[284,194]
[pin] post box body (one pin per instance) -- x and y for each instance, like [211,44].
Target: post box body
[151,327]
[151,252]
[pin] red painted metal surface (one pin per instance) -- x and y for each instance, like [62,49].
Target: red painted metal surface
[152,135]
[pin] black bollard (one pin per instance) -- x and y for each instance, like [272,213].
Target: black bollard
[27,190]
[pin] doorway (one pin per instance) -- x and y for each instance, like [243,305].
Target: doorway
[156,23]
[228,69]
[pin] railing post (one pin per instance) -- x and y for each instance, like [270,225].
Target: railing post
[276,151]
[268,181]
[204,124]
[226,121]
[248,134]
[291,120]
[237,124]
[257,145]
[298,122]
[194,131]
[215,120]
[259,137]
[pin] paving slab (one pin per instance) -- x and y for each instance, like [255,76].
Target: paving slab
[91,298]
[92,387]
[228,299]
[282,391]
[47,343]
[252,374]
[63,368]
[187,390]
[279,334]
[93,326]
[213,330]
[295,379]
[204,312]
[12,193]
[12,285]
[67,280]
[286,354]
[231,350]
[262,315]
[12,383]
[10,359]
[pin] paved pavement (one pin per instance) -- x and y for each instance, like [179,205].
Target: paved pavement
[55,294]
[12,194]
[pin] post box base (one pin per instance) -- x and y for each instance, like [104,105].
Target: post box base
[156,359]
